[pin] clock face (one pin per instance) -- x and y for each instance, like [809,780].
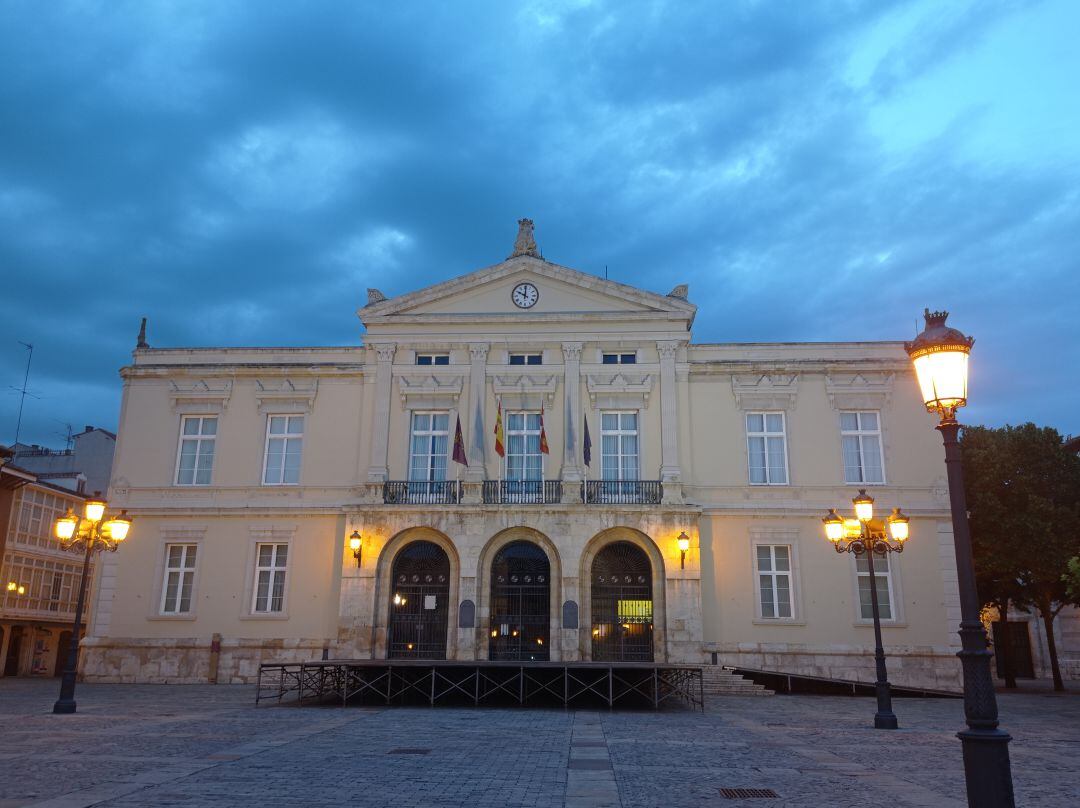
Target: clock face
[525,295]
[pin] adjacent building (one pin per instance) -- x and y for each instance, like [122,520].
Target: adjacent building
[85,465]
[508,467]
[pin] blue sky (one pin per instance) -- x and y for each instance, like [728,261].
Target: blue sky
[240,173]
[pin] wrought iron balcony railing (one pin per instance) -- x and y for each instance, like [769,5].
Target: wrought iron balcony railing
[421,492]
[622,492]
[522,492]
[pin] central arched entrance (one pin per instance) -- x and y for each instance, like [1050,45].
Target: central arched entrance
[520,603]
[622,604]
[419,602]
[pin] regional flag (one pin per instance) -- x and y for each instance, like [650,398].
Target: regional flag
[543,434]
[499,437]
[587,443]
[459,446]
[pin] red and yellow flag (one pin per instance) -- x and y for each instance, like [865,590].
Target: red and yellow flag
[500,449]
[543,434]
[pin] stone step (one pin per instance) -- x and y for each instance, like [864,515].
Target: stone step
[719,681]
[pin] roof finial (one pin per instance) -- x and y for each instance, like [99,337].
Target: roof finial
[525,243]
[142,343]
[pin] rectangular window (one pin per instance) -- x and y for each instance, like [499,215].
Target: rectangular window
[428,445]
[196,460]
[524,461]
[270,561]
[619,358]
[766,448]
[860,433]
[774,580]
[179,578]
[284,444]
[433,359]
[526,359]
[883,579]
[619,445]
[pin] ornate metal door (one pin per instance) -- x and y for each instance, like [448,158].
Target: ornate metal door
[419,603]
[520,603]
[622,613]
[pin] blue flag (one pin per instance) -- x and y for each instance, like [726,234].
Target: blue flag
[587,443]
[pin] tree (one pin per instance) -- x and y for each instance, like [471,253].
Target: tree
[1072,579]
[1023,492]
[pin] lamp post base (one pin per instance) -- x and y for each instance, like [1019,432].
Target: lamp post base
[987,768]
[64,707]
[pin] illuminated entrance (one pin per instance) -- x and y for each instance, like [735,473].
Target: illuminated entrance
[419,603]
[520,603]
[622,605]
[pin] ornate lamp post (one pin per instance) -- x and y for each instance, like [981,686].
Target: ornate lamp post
[940,356]
[863,538]
[88,533]
[356,545]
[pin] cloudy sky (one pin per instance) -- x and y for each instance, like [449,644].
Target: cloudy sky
[241,172]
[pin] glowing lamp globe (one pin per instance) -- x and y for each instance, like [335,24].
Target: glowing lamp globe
[65,526]
[834,526]
[864,506]
[898,525]
[94,509]
[354,541]
[684,542]
[118,526]
[940,356]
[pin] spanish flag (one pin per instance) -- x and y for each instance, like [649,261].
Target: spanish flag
[500,450]
[543,434]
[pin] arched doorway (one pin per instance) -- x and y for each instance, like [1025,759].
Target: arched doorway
[419,602]
[622,605]
[520,603]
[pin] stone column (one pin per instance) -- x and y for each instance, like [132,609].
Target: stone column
[476,424]
[380,425]
[670,470]
[572,397]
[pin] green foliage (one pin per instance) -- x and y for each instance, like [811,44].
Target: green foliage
[1023,493]
[1072,579]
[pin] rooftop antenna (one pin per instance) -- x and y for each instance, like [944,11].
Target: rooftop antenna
[605,272]
[69,440]
[22,391]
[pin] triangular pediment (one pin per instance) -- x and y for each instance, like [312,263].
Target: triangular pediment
[488,292]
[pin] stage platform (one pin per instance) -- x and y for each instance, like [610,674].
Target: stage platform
[432,682]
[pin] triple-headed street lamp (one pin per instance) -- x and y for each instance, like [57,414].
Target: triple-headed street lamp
[90,533]
[940,355]
[864,538]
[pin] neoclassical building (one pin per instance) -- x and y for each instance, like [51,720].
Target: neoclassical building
[594,433]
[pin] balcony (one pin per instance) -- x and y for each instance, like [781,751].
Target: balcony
[419,492]
[622,492]
[522,492]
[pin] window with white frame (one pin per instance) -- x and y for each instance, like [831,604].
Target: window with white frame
[284,445]
[524,460]
[179,578]
[766,448]
[525,359]
[195,462]
[883,579]
[860,433]
[433,359]
[428,445]
[619,358]
[774,580]
[619,446]
[270,564]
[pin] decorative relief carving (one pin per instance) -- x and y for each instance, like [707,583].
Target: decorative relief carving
[632,389]
[429,387]
[385,351]
[285,395]
[200,396]
[525,384]
[865,390]
[765,391]
[478,351]
[525,243]
[273,532]
[668,349]
[571,351]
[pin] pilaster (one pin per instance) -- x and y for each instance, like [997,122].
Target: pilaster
[377,471]
[478,352]
[572,396]
[670,470]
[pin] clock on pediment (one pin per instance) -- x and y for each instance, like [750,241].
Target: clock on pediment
[525,295]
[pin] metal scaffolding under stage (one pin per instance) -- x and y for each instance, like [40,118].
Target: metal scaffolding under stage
[400,681]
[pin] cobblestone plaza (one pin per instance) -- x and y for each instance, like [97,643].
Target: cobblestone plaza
[195,745]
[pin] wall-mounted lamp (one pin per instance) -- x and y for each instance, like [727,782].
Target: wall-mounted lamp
[355,544]
[684,545]
[17,588]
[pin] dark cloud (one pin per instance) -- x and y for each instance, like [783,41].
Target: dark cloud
[240,173]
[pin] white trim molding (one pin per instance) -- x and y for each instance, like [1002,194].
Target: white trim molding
[527,385]
[619,390]
[765,391]
[199,397]
[285,396]
[864,390]
[429,391]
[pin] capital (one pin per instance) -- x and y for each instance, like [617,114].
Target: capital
[478,351]
[668,349]
[385,351]
[571,351]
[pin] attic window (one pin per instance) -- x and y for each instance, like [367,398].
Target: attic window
[433,359]
[526,359]
[620,358]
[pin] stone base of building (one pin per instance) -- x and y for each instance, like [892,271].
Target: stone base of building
[188,660]
[922,667]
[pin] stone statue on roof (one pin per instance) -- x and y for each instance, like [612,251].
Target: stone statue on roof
[525,243]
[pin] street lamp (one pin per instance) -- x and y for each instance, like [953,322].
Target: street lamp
[684,545]
[861,537]
[355,544]
[89,533]
[940,356]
